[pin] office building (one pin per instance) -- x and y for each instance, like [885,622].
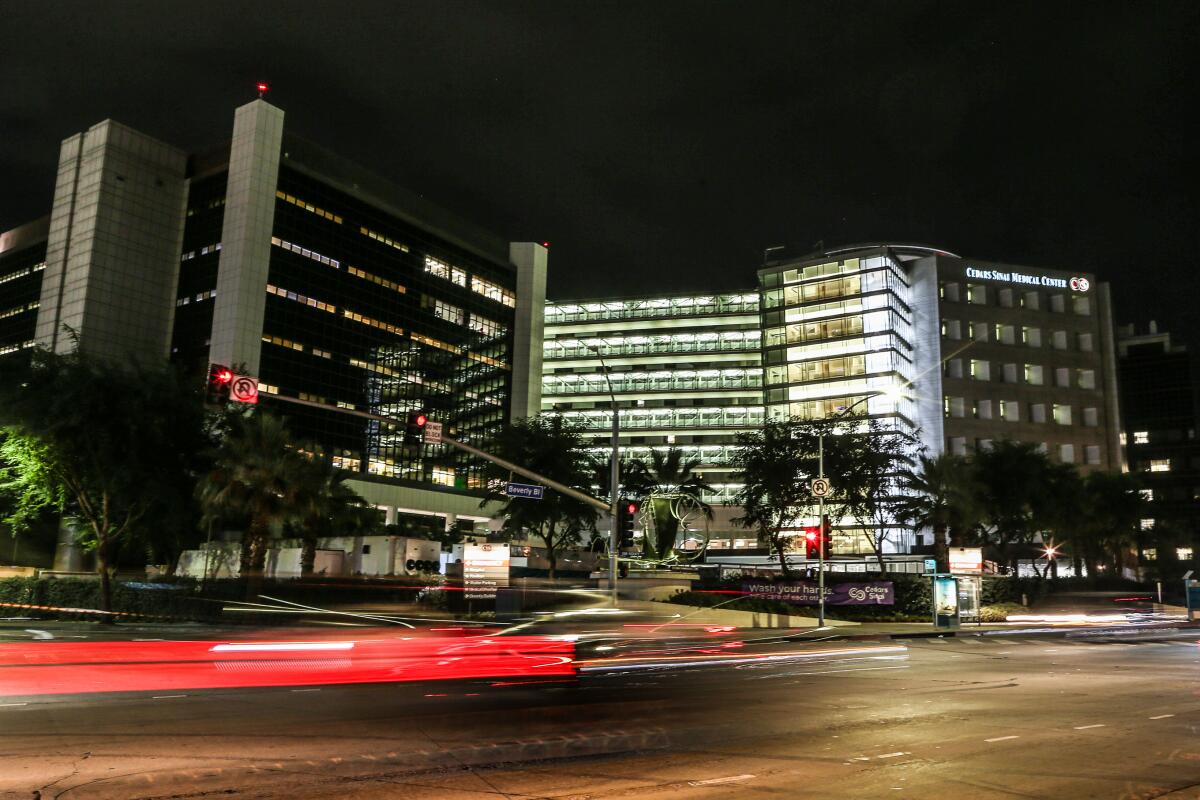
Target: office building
[953,351]
[343,293]
[1160,403]
[685,372]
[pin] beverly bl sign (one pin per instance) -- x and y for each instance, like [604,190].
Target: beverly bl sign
[1075,284]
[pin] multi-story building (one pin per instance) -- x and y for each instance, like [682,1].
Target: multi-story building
[685,371]
[343,293]
[953,351]
[1160,403]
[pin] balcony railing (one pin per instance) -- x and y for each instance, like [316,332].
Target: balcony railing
[660,307]
[664,346]
[593,384]
[671,418]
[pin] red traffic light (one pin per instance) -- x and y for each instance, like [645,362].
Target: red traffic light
[223,375]
[631,508]
[420,420]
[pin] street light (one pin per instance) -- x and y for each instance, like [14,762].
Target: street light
[614,479]
[895,393]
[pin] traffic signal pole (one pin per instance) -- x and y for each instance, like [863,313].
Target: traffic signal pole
[466,448]
[820,533]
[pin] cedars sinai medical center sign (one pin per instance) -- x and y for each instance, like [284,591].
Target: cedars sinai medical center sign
[1076,284]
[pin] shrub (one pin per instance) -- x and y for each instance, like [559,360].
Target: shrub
[999,612]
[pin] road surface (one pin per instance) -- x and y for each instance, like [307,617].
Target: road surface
[970,717]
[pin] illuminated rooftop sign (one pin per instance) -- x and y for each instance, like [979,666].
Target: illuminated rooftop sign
[1076,284]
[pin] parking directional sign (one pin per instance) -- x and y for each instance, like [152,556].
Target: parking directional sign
[526,490]
[820,487]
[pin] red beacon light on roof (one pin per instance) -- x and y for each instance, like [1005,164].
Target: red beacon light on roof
[262,87]
[546,245]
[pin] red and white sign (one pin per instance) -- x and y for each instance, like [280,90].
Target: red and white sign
[243,389]
[967,560]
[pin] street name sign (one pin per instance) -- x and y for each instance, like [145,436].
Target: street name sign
[526,490]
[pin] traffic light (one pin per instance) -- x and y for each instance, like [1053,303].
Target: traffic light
[626,515]
[815,536]
[220,377]
[414,429]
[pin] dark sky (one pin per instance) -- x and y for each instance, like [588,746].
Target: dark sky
[660,146]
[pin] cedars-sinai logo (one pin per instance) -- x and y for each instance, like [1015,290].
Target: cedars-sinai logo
[1080,284]
[857,594]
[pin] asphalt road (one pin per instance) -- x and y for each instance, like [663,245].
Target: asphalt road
[994,717]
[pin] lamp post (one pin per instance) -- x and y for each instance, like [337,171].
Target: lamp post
[614,481]
[891,391]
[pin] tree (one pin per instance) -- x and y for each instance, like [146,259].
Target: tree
[940,494]
[258,478]
[871,459]
[1014,491]
[550,446]
[669,485]
[108,443]
[1113,506]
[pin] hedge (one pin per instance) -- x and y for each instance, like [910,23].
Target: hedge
[149,600]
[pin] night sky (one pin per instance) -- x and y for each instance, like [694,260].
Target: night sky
[661,146]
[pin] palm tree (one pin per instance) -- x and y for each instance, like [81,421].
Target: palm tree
[668,478]
[941,495]
[258,477]
[328,507]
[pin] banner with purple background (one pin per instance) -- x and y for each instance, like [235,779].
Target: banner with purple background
[804,593]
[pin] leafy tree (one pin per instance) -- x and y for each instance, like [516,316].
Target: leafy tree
[871,459]
[550,446]
[669,485]
[941,494]
[111,444]
[259,479]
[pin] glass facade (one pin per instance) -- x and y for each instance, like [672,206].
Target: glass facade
[686,371]
[367,312]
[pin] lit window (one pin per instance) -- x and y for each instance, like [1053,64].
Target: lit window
[1160,465]
[379,237]
[1062,414]
[1147,495]
[320,212]
[1183,553]
[1141,437]
[1091,454]
[448,312]
[493,291]
[447,272]
[1149,554]
[1066,453]
[304,251]
[489,328]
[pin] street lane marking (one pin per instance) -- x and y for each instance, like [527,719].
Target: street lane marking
[1002,738]
[1162,716]
[1086,727]
[9,705]
[306,690]
[167,696]
[39,634]
[893,755]
[730,779]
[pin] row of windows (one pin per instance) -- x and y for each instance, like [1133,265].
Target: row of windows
[21,273]
[489,328]
[203,251]
[200,297]
[379,237]
[1010,411]
[12,348]
[826,369]
[1181,553]
[211,204]
[304,251]
[978,294]
[374,323]
[384,282]
[1011,334]
[320,212]
[303,299]
[654,307]
[957,445]
[12,312]
[1031,374]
